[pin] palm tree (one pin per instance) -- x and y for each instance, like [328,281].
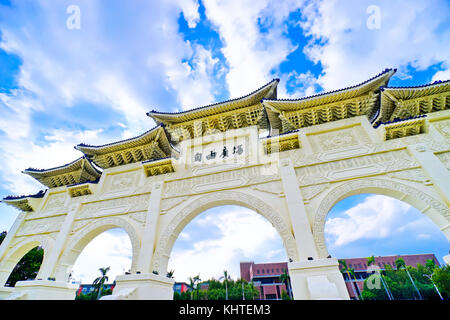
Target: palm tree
[98,282]
[284,277]
[242,286]
[349,272]
[191,285]
[226,278]
[196,282]
[371,260]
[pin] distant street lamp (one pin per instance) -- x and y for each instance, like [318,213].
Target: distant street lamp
[431,279]
[412,281]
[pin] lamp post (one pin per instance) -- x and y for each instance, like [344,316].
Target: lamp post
[431,279]
[412,281]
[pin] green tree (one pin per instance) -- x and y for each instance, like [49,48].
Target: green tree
[191,287]
[401,265]
[226,278]
[197,281]
[285,296]
[100,281]
[349,272]
[441,277]
[28,267]
[284,278]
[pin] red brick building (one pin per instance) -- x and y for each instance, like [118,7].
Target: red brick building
[265,277]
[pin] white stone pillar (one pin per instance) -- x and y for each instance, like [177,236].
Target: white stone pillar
[317,280]
[146,286]
[49,265]
[297,212]
[434,168]
[4,274]
[149,235]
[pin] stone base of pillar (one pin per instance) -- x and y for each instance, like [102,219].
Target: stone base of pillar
[5,292]
[317,280]
[146,286]
[43,290]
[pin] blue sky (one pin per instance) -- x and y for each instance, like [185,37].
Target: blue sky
[60,87]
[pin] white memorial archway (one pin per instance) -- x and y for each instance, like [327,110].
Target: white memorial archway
[315,151]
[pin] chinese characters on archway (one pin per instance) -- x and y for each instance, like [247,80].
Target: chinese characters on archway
[224,153]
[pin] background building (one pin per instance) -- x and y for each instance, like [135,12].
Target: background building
[265,277]
[88,288]
[180,287]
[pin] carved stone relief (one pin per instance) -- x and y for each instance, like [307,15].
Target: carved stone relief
[114,206]
[121,183]
[222,180]
[443,127]
[415,175]
[43,225]
[308,193]
[354,167]
[168,204]
[273,187]
[445,159]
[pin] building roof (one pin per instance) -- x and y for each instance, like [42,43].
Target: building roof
[151,145]
[267,90]
[77,171]
[280,108]
[403,102]
[23,202]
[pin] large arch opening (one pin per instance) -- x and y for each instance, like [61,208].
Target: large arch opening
[388,229]
[112,248]
[24,262]
[234,239]
[429,206]
[99,245]
[27,268]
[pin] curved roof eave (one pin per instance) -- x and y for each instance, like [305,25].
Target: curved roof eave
[159,117]
[92,150]
[386,75]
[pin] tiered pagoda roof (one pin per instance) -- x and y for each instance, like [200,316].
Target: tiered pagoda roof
[151,145]
[406,102]
[290,114]
[24,203]
[221,116]
[399,111]
[78,171]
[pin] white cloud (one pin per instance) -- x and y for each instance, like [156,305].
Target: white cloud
[58,149]
[194,83]
[376,217]
[126,62]
[424,236]
[441,75]
[251,54]
[243,235]
[109,249]
[412,33]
